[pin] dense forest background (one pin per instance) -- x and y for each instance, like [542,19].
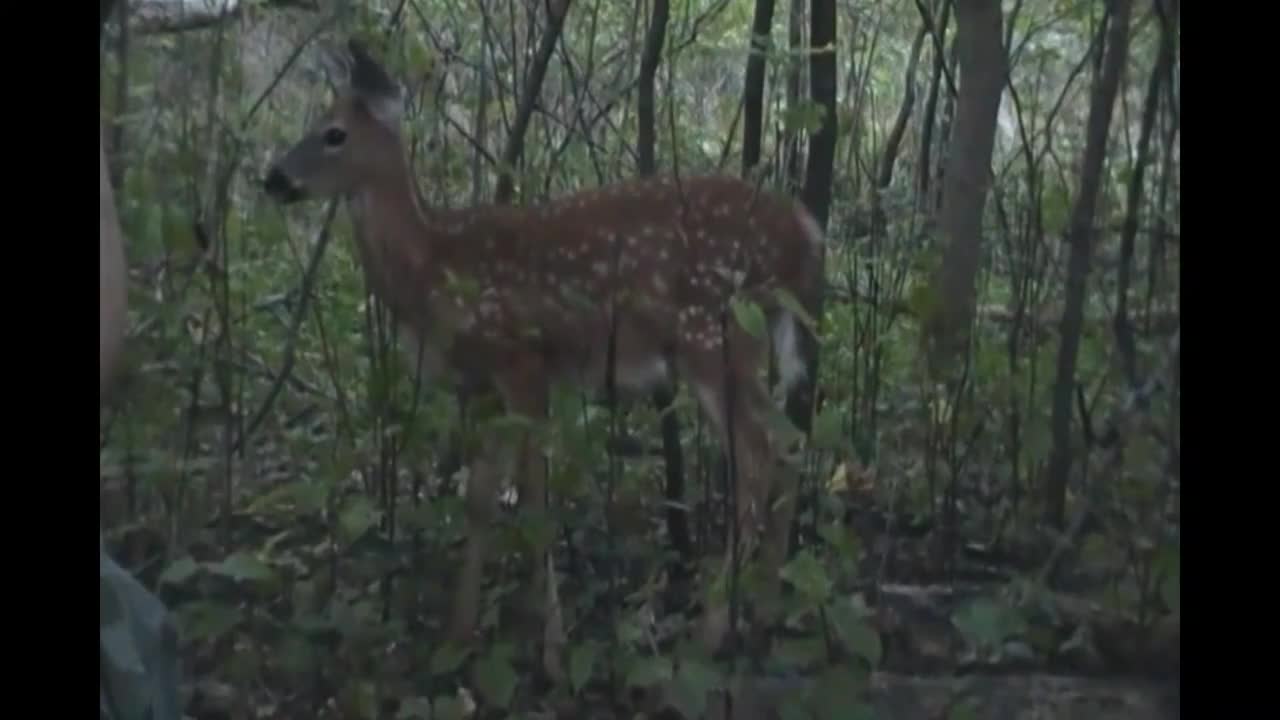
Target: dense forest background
[988,519]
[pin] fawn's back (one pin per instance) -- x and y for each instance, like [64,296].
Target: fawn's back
[654,260]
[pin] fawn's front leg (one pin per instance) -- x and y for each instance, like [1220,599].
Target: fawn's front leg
[735,408]
[525,390]
[481,512]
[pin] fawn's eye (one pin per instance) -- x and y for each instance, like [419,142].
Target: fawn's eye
[335,136]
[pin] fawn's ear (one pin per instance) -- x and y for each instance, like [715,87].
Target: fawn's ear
[335,65]
[381,94]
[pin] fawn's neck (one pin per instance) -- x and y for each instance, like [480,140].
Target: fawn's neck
[393,238]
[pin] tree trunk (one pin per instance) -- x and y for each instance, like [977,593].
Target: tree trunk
[795,32]
[893,144]
[968,174]
[1155,249]
[753,92]
[948,119]
[653,40]
[930,119]
[1080,237]
[1123,327]
[817,182]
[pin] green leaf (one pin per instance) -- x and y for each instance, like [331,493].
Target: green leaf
[464,286]
[243,567]
[296,655]
[448,658]
[749,316]
[799,653]
[510,425]
[1168,566]
[857,635]
[582,663]
[836,694]
[841,537]
[537,530]
[180,571]
[787,300]
[985,623]
[692,683]
[793,711]
[303,496]
[963,711]
[827,434]
[805,116]
[851,711]
[207,620]
[449,707]
[1096,551]
[414,708]
[780,426]
[1055,207]
[356,517]
[629,631]
[495,679]
[808,576]
[154,214]
[922,300]
[361,700]
[313,624]
[648,671]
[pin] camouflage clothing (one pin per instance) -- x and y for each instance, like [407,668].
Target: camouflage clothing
[138,649]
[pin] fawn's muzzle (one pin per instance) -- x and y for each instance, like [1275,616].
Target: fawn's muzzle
[282,188]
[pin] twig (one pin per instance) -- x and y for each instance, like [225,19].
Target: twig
[291,341]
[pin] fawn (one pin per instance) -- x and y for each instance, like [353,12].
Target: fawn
[518,298]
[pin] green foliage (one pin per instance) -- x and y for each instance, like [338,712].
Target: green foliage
[751,317]
[207,621]
[356,517]
[643,672]
[809,577]
[447,659]
[806,116]
[827,433]
[582,663]
[964,710]
[835,692]
[494,676]
[986,624]
[852,627]
[1169,571]
[693,680]
[416,708]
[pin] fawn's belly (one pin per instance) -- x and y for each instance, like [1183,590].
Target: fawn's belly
[639,360]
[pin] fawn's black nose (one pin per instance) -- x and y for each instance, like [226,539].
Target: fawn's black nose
[281,187]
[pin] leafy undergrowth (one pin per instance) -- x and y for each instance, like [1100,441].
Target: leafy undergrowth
[316,612]
[331,620]
[315,591]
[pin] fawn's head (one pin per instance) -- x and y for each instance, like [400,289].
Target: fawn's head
[356,137]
